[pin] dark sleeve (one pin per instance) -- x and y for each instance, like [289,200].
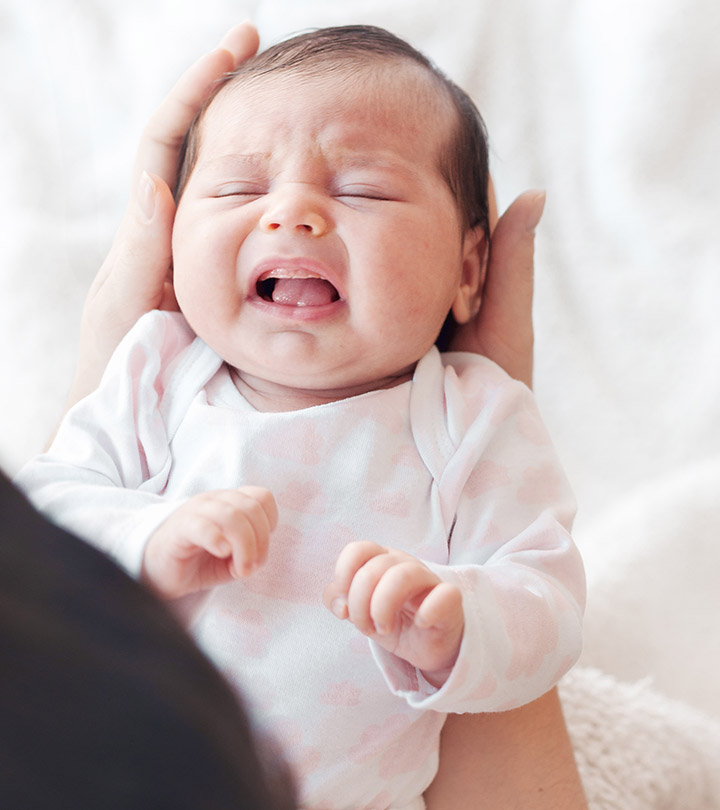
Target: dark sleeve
[105,701]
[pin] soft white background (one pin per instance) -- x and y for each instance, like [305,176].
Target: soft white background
[613,107]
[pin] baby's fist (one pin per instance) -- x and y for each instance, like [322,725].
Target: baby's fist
[213,538]
[395,599]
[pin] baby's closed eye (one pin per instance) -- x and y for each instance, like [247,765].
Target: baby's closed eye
[364,192]
[240,190]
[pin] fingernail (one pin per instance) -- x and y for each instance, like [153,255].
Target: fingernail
[339,607]
[536,211]
[146,196]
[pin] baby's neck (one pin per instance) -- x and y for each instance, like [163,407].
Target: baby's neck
[268,397]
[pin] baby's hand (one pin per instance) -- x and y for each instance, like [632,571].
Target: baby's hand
[401,604]
[213,538]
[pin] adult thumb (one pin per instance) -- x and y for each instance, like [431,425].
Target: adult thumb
[136,276]
[144,249]
[503,329]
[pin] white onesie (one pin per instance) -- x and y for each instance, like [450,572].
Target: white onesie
[454,467]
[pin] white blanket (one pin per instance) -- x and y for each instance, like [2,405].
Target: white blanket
[611,106]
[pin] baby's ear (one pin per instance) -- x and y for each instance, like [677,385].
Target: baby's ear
[475,254]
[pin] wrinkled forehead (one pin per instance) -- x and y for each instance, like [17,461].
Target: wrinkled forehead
[378,95]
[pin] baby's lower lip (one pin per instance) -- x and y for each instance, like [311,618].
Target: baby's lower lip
[298,312]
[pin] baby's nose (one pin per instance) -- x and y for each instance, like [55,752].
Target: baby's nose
[296,211]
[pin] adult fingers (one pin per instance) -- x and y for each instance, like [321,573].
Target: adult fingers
[134,278]
[241,41]
[161,140]
[141,255]
[503,329]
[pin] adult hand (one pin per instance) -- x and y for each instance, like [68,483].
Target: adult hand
[136,275]
[503,328]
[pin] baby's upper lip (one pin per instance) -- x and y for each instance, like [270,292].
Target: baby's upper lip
[293,267]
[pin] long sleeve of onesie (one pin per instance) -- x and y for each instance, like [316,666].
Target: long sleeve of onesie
[105,473]
[507,510]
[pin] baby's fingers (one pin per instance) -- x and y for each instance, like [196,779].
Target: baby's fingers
[351,559]
[200,530]
[402,587]
[245,519]
[442,608]
[222,530]
[265,500]
[363,590]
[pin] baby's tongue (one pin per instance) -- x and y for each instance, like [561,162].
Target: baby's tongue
[303,292]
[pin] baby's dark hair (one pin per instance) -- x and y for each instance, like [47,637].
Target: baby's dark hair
[464,159]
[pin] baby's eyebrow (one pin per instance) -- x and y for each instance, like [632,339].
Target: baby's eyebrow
[373,160]
[253,161]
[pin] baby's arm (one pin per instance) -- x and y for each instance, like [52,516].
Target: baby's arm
[105,476]
[213,538]
[512,590]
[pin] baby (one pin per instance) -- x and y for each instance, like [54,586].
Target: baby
[295,437]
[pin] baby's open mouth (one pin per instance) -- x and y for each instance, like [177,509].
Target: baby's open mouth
[295,289]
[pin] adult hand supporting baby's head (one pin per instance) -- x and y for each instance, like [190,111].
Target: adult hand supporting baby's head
[503,329]
[136,276]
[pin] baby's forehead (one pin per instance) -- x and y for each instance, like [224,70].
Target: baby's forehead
[372,79]
[376,93]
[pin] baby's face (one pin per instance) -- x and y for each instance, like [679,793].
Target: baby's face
[316,245]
